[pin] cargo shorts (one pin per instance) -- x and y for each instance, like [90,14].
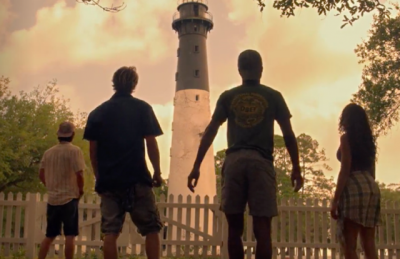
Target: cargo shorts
[248,178]
[138,201]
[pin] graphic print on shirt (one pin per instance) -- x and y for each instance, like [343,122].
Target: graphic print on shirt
[249,109]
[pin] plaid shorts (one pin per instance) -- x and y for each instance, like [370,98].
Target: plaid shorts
[360,202]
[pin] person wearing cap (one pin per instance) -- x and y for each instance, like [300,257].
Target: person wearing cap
[248,174]
[118,130]
[61,171]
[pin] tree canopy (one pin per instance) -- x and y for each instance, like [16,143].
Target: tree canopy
[350,10]
[28,126]
[379,92]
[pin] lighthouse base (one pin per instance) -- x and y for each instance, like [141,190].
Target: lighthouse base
[191,116]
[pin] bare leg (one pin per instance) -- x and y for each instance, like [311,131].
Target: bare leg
[235,232]
[351,230]
[368,242]
[262,233]
[153,246]
[45,246]
[110,246]
[69,247]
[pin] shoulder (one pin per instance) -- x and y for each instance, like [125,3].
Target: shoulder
[76,148]
[230,92]
[97,111]
[270,90]
[344,138]
[48,151]
[143,108]
[344,141]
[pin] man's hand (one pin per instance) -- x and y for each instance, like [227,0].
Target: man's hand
[193,176]
[157,179]
[297,179]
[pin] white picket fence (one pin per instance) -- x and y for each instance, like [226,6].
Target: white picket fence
[194,227]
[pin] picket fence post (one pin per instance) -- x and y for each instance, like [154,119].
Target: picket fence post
[32,199]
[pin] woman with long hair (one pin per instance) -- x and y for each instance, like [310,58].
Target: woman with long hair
[357,201]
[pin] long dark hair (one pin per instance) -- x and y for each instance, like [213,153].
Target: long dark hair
[355,124]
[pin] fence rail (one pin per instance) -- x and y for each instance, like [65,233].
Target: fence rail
[193,227]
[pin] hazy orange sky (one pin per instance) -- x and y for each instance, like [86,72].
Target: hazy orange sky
[307,57]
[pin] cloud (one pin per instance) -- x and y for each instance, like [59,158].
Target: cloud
[81,35]
[5,18]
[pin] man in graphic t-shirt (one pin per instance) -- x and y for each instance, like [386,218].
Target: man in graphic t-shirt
[248,174]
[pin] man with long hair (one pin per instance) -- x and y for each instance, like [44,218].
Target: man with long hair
[61,171]
[117,131]
[248,174]
[356,204]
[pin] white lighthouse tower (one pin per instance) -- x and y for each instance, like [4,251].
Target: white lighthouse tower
[192,112]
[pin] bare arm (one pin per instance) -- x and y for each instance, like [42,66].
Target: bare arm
[290,142]
[42,176]
[93,157]
[206,141]
[153,153]
[344,169]
[80,181]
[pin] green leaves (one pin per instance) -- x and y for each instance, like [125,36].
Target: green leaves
[28,126]
[379,92]
[355,10]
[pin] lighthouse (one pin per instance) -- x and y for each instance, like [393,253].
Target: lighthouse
[192,23]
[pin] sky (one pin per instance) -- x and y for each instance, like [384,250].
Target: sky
[308,58]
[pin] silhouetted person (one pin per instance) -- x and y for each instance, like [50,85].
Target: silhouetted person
[357,201]
[117,131]
[248,174]
[61,171]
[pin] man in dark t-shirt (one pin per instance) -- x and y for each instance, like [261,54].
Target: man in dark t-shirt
[248,174]
[117,131]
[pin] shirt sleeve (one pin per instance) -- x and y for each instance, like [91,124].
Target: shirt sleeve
[92,127]
[220,112]
[78,161]
[150,124]
[282,111]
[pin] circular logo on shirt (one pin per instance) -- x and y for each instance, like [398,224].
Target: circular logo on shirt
[249,109]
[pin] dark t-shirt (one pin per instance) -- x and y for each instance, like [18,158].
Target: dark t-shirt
[251,110]
[119,127]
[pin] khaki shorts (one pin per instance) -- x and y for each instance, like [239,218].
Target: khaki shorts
[247,177]
[138,201]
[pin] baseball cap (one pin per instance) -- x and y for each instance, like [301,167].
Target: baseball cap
[66,130]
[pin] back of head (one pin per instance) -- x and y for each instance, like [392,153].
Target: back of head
[250,65]
[66,131]
[354,122]
[125,80]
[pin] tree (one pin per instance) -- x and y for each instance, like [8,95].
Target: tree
[355,10]
[162,190]
[287,8]
[219,161]
[379,92]
[28,125]
[312,161]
